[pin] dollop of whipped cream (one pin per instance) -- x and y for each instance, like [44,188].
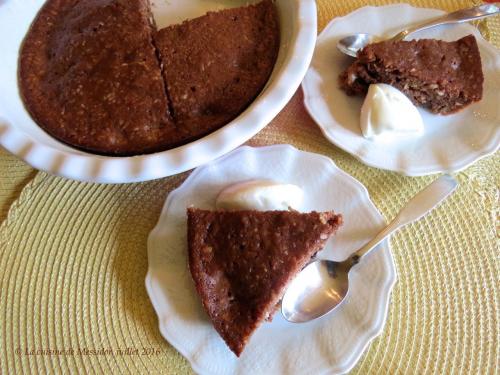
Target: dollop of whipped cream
[262,195]
[387,112]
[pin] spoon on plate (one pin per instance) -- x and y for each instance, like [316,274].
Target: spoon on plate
[351,44]
[323,284]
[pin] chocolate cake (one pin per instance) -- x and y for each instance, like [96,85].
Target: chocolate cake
[91,76]
[443,77]
[215,65]
[241,262]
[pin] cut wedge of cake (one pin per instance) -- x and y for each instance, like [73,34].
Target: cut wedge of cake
[89,76]
[242,261]
[215,65]
[443,77]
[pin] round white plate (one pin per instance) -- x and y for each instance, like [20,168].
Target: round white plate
[331,344]
[20,134]
[448,144]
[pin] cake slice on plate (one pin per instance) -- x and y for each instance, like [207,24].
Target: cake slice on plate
[443,77]
[242,261]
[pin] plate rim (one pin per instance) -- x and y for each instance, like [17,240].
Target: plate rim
[79,165]
[488,149]
[385,289]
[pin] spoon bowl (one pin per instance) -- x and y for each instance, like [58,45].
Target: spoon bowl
[350,45]
[325,284]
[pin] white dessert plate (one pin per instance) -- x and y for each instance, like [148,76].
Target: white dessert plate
[20,135]
[331,344]
[448,143]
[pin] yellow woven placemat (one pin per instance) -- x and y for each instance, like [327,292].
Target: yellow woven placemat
[14,174]
[73,261]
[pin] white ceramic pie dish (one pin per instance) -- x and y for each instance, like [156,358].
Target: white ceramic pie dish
[20,135]
[329,345]
[448,143]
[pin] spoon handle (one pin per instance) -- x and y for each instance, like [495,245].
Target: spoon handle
[421,204]
[463,15]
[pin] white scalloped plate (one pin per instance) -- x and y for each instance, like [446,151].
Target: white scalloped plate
[448,144]
[21,136]
[332,344]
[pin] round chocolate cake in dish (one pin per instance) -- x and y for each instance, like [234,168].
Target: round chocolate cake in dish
[91,74]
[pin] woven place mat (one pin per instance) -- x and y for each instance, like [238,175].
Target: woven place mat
[73,261]
[14,175]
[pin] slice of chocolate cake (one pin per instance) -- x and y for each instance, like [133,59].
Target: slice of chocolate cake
[90,77]
[443,77]
[215,65]
[241,262]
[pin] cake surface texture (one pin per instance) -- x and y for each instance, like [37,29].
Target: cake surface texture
[443,77]
[91,75]
[216,65]
[241,262]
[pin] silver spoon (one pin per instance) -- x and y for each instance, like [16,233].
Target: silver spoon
[322,285]
[350,45]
